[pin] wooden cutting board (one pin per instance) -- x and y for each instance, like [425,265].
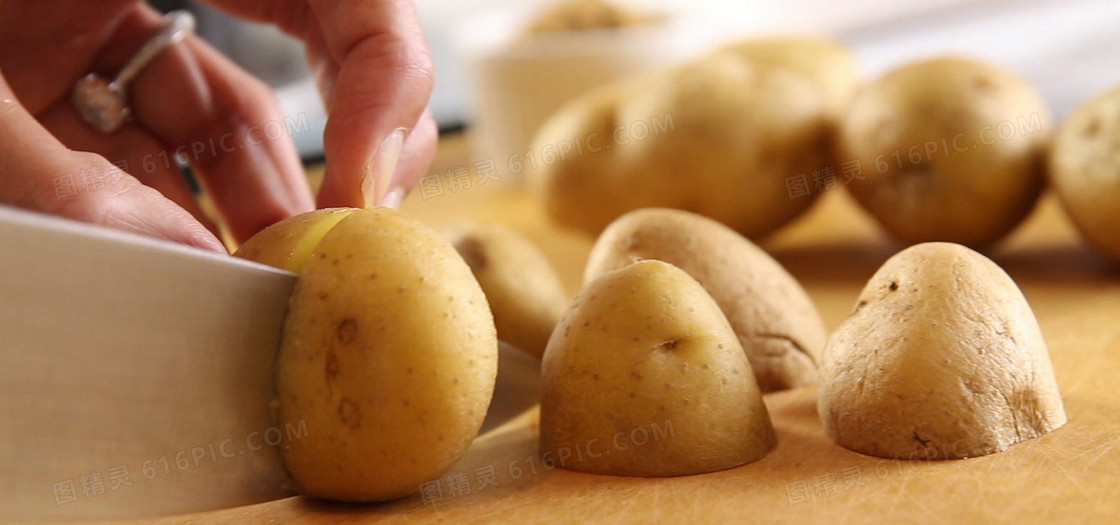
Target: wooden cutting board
[1069,476]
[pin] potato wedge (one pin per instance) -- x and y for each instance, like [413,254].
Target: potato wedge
[942,358]
[775,321]
[644,377]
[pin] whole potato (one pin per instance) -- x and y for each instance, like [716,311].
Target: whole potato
[581,15]
[388,356]
[942,358]
[644,377]
[948,149]
[828,64]
[1085,170]
[524,292]
[719,137]
[772,316]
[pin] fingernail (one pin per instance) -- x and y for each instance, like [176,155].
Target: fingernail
[379,174]
[393,198]
[208,242]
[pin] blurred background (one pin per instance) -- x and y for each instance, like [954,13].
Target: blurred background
[493,80]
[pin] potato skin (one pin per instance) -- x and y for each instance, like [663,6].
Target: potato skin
[733,132]
[942,358]
[772,316]
[937,159]
[523,290]
[828,64]
[644,351]
[389,356]
[581,15]
[1085,170]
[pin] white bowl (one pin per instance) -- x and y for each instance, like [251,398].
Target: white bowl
[517,81]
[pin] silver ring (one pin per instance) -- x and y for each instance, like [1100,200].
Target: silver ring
[103,104]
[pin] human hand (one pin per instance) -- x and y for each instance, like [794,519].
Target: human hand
[191,95]
[373,69]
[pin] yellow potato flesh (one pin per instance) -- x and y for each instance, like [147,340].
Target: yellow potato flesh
[278,244]
[311,239]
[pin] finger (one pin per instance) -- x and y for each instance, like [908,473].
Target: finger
[383,85]
[376,78]
[201,105]
[65,34]
[240,145]
[130,149]
[419,150]
[375,75]
[39,173]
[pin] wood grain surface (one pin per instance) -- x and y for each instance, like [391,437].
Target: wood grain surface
[1069,476]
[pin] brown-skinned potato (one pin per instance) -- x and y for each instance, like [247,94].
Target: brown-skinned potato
[828,64]
[942,358]
[774,319]
[388,356]
[644,377]
[947,149]
[719,136]
[1085,170]
[524,292]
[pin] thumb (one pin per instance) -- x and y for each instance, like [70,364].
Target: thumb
[39,173]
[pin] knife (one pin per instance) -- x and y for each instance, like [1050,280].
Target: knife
[136,375]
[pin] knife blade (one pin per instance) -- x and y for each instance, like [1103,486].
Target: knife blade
[135,374]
